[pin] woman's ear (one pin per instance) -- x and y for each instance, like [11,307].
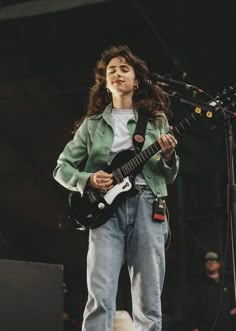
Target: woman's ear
[136,84]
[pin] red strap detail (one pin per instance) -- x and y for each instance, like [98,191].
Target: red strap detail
[159,217]
[139,138]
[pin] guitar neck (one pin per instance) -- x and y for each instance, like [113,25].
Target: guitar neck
[138,160]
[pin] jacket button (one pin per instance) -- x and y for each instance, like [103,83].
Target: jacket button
[149,176]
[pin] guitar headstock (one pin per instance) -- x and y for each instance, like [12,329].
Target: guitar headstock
[226,99]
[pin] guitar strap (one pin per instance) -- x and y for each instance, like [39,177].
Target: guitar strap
[139,134]
[158,207]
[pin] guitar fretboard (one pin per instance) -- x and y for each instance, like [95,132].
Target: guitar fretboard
[138,160]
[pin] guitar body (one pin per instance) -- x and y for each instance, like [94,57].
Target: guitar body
[95,207]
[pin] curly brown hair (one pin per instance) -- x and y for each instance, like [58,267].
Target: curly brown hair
[147,97]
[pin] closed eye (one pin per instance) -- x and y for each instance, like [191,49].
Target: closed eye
[123,68]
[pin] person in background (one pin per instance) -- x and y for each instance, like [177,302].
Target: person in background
[138,229]
[212,306]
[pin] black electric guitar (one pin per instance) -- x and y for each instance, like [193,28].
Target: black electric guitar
[95,207]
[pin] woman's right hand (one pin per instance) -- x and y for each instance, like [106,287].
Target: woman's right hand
[101,180]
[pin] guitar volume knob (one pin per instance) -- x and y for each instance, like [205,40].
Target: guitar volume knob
[101,205]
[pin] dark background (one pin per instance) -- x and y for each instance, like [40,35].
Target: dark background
[47,56]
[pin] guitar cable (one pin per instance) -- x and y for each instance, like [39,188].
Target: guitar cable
[168,241]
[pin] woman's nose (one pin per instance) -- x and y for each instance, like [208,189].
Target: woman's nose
[118,73]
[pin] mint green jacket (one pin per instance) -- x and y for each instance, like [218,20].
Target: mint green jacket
[93,140]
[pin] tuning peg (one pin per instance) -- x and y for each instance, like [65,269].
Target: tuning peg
[198,110]
[209,114]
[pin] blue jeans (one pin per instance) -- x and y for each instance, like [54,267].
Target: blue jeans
[130,233]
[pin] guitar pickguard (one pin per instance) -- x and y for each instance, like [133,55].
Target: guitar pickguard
[124,186]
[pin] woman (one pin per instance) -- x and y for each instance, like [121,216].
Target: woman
[122,91]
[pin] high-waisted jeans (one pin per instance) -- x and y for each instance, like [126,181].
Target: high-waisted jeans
[130,233]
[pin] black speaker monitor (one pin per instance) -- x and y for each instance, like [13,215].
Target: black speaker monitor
[31,296]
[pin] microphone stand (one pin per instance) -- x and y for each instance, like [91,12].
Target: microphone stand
[231,191]
[231,186]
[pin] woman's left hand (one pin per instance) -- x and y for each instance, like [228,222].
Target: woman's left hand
[167,143]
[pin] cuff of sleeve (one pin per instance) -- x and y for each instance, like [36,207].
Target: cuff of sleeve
[82,181]
[169,161]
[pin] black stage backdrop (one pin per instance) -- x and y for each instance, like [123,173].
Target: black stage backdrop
[47,55]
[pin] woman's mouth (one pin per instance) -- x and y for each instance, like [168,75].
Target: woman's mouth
[118,81]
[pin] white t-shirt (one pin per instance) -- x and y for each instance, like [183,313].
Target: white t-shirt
[122,139]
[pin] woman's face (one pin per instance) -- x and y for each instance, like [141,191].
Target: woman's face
[120,77]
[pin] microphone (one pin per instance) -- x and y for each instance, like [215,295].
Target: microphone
[164,81]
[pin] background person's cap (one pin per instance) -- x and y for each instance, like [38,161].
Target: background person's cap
[211,256]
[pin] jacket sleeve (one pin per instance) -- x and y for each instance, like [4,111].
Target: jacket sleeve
[169,171]
[67,171]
